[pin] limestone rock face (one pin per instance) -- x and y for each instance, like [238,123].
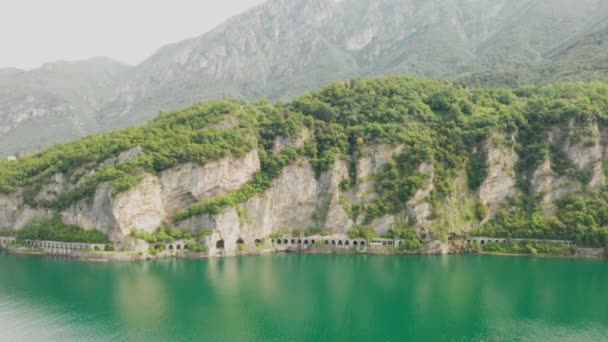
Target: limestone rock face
[140,208]
[299,199]
[189,183]
[419,208]
[289,205]
[500,181]
[382,224]
[146,206]
[129,155]
[437,247]
[337,219]
[551,188]
[15,214]
[370,163]
[280,143]
[50,191]
[96,214]
[585,157]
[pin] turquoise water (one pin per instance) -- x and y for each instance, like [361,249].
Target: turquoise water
[292,297]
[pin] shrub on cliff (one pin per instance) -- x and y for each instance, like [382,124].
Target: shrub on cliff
[362,232]
[55,230]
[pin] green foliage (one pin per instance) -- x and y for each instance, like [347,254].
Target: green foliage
[167,235]
[582,218]
[8,232]
[316,231]
[477,170]
[279,234]
[55,230]
[171,139]
[407,235]
[362,232]
[527,247]
[481,211]
[564,167]
[197,247]
[400,179]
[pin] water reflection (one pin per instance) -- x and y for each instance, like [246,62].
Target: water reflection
[306,297]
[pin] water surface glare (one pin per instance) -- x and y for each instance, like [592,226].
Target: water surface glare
[290,297]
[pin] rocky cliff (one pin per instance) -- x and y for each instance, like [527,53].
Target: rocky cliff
[305,175]
[297,200]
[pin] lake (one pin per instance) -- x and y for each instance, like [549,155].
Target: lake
[292,297]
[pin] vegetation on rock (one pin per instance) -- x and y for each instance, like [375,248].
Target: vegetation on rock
[168,235]
[55,230]
[435,123]
[527,247]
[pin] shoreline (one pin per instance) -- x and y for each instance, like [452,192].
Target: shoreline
[545,256]
[104,257]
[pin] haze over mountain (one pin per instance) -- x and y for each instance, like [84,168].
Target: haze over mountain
[285,47]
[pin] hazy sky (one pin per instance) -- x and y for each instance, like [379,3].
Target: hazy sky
[33,32]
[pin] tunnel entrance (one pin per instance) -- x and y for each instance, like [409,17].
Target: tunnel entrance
[219,244]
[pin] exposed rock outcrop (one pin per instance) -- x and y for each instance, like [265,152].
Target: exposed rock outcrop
[372,159]
[280,143]
[585,155]
[289,205]
[550,188]
[190,183]
[500,181]
[299,199]
[15,214]
[336,219]
[419,208]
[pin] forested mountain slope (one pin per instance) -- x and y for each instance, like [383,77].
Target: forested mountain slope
[383,157]
[283,48]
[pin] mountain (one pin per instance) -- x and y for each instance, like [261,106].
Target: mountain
[55,102]
[585,58]
[400,157]
[283,48]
